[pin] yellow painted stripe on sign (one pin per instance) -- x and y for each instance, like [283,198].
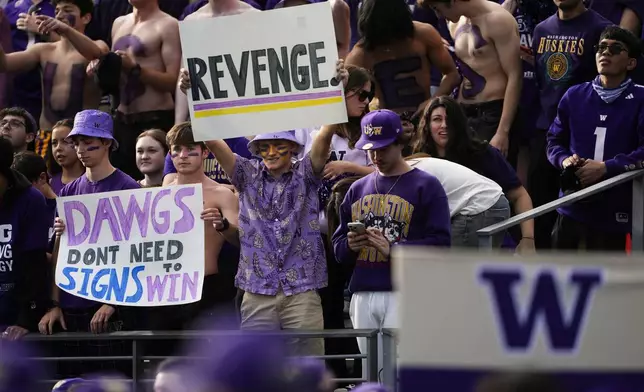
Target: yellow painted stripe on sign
[268,107]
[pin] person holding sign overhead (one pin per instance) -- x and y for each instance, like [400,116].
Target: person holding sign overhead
[396,204]
[282,262]
[214,9]
[93,140]
[24,228]
[221,212]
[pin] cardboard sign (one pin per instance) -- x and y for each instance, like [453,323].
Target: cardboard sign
[262,72]
[467,317]
[140,247]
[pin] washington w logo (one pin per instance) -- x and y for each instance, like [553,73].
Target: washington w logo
[517,322]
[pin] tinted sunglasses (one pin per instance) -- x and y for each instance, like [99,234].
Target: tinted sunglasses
[364,94]
[613,49]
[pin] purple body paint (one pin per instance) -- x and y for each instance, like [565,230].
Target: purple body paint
[76,90]
[400,92]
[476,81]
[133,87]
[71,19]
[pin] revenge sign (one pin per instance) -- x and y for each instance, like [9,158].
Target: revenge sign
[262,72]
[141,247]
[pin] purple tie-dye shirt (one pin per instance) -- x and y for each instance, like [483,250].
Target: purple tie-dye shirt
[279,231]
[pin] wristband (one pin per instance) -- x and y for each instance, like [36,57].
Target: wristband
[225,225]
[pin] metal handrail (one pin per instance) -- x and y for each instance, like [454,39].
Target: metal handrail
[485,234]
[196,334]
[136,338]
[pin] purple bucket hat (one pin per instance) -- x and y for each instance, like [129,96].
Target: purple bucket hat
[94,123]
[284,135]
[380,128]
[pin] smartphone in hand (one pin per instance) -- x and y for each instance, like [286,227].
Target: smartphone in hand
[357,227]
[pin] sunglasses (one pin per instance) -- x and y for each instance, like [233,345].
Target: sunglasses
[365,95]
[613,49]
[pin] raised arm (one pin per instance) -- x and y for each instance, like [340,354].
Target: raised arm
[88,48]
[224,155]
[321,148]
[21,61]
[342,25]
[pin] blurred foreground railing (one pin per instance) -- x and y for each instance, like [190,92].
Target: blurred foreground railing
[637,214]
[141,362]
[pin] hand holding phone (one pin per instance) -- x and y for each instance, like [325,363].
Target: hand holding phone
[357,227]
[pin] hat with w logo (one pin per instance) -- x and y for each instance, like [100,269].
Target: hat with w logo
[94,123]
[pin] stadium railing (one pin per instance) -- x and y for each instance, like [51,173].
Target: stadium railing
[637,215]
[142,365]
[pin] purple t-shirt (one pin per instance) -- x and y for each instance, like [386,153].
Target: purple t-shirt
[24,227]
[564,57]
[56,183]
[117,181]
[211,168]
[414,212]
[27,89]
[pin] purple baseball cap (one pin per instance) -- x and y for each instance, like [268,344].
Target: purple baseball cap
[94,123]
[284,135]
[380,128]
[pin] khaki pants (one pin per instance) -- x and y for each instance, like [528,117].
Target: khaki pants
[300,311]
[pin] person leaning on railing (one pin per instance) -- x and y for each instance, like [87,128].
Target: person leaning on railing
[598,134]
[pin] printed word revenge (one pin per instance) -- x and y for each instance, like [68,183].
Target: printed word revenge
[282,66]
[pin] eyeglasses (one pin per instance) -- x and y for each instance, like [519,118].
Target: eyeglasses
[12,123]
[613,49]
[364,94]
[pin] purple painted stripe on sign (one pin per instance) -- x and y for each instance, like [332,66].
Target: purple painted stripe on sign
[260,101]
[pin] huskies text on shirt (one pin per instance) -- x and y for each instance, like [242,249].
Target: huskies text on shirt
[564,56]
[611,133]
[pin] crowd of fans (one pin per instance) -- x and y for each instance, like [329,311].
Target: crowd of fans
[461,113]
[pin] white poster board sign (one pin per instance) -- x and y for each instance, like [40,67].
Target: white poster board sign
[262,72]
[141,247]
[465,317]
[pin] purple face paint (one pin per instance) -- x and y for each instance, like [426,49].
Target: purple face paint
[194,154]
[174,155]
[92,148]
[71,19]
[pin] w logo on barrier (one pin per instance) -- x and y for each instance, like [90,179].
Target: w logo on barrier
[545,303]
